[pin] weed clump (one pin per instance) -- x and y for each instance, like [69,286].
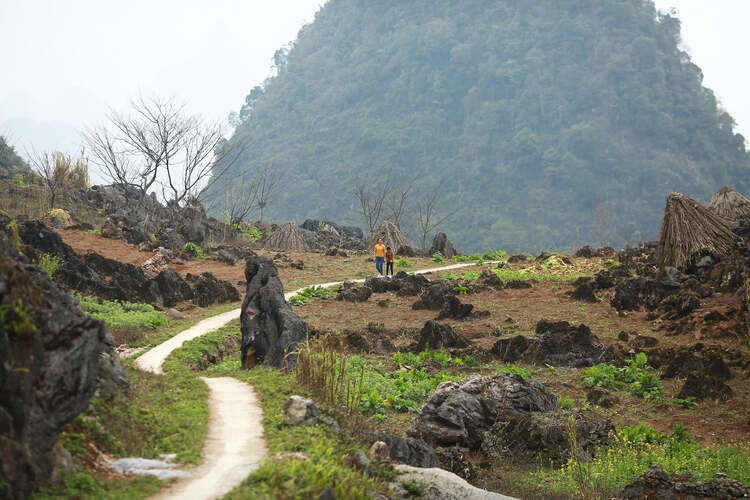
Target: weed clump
[121,314]
[644,380]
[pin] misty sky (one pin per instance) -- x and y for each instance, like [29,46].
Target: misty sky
[64,63]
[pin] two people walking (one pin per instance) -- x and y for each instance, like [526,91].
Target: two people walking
[383,254]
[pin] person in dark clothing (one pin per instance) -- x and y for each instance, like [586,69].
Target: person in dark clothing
[389,255]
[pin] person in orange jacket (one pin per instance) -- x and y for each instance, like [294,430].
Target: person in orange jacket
[389,256]
[379,256]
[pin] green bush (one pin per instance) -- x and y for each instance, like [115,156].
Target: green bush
[644,380]
[437,258]
[403,262]
[117,314]
[194,250]
[248,231]
[304,296]
[565,403]
[49,263]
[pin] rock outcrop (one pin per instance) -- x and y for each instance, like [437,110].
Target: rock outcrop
[271,331]
[436,335]
[408,450]
[52,360]
[459,413]
[655,483]
[442,245]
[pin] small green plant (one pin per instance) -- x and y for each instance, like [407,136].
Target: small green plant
[437,258]
[49,263]
[644,380]
[304,296]
[194,250]
[93,231]
[413,488]
[74,442]
[15,237]
[18,181]
[59,215]
[17,319]
[499,255]
[515,370]
[403,262]
[565,403]
[460,289]
[248,231]
[688,402]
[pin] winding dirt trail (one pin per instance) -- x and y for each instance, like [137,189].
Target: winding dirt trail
[235,445]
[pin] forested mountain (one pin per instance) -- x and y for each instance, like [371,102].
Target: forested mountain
[545,123]
[10,163]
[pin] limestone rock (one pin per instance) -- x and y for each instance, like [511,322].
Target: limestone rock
[299,411]
[442,245]
[271,330]
[436,335]
[459,413]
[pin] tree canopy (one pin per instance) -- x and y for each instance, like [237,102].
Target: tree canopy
[548,124]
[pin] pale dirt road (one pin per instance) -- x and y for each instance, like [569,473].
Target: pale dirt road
[235,444]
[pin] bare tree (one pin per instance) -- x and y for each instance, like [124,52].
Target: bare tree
[160,143]
[397,203]
[239,201]
[268,179]
[428,214]
[59,170]
[371,199]
[603,221]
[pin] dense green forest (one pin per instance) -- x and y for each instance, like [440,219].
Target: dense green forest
[544,123]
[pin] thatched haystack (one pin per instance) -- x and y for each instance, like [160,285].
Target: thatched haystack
[729,204]
[392,236]
[689,228]
[287,238]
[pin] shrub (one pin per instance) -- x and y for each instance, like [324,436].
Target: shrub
[499,255]
[194,250]
[643,380]
[248,231]
[437,258]
[49,263]
[304,296]
[565,403]
[117,314]
[60,216]
[403,262]
[461,290]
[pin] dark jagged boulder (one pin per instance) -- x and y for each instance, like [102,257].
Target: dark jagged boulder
[459,413]
[587,252]
[433,297]
[442,245]
[517,258]
[584,290]
[437,335]
[679,305]
[655,483]
[271,330]
[517,284]
[172,288]
[51,364]
[454,308]
[601,397]
[566,345]
[208,290]
[410,284]
[518,348]
[518,433]
[381,285]
[350,292]
[636,294]
[410,451]
[689,360]
[488,278]
[702,386]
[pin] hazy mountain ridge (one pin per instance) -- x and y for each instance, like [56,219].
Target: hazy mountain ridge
[562,122]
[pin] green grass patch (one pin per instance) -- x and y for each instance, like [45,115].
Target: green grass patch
[401,262]
[634,451]
[120,314]
[643,379]
[302,297]
[85,486]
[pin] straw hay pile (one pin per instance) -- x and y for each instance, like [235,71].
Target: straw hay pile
[689,228]
[729,204]
[287,238]
[391,235]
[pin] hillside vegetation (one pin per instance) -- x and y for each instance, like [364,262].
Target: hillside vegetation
[545,123]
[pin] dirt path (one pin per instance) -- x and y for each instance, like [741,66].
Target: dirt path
[235,444]
[234,447]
